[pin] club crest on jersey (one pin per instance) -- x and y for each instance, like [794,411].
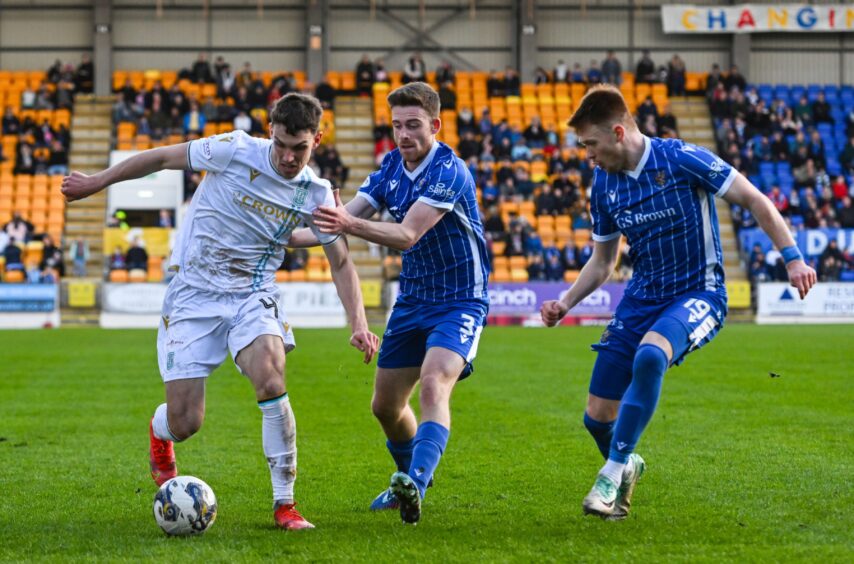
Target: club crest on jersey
[661,179]
[253,174]
[299,197]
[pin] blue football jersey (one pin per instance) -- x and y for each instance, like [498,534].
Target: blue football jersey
[665,208]
[449,262]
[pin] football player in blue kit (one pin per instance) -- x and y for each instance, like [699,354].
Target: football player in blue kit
[433,332]
[659,194]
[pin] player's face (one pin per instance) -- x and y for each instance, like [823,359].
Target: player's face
[604,146]
[292,152]
[414,132]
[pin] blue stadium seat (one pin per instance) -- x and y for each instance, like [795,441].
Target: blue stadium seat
[756,180]
[797,220]
[781,92]
[824,128]
[833,167]
[783,168]
[796,91]
[766,168]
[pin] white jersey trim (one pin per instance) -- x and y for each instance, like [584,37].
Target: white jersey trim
[448,206]
[479,282]
[647,149]
[727,183]
[708,240]
[424,164]
[370,199]
[605,238]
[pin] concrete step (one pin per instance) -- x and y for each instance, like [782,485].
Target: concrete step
[358,120]
[368,271]
[351,159]
[92,145]
[84,230]
[354,146]
[99,161]
[91,120]
[93,133]
[93,109]
[93,215]
[355,134]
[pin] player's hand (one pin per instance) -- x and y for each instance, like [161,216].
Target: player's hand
[366,342]
[77,186]
[333,220]
[552,312]
[801,276]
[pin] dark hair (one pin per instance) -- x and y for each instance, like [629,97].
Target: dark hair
[603,105]
[417,94]
[297,112]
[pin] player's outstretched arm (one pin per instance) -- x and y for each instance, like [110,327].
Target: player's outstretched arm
[77,185]
[595,273]
[349,290]
[419,220]
[358,207]
[746,195]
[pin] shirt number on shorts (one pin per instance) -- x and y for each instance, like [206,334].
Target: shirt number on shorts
[699,310]
[467,330]
[270,303]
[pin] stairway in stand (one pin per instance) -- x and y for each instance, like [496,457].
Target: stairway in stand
[354,139]
[91,130]
[695,126]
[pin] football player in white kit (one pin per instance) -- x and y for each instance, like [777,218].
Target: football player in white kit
[223,296]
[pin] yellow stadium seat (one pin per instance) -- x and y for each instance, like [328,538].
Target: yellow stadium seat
[118,276]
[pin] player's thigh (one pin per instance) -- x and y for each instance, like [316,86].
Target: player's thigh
[263,363]
[192,336]
[441,370]
[392,389]
[688,323]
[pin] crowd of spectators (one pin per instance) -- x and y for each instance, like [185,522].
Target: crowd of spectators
[798,148]
[15,246]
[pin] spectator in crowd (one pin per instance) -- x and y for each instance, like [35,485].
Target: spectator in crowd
[612,70]
[165,220]
[242,121]
[676,76]
[137,256]
[325,92]
[12,255]
[194,120]
[117,260]
[84,78]
[51,257]
[58,161]
[645,70]
[735,80]
[79,255]
[667,123]
[414,70]
[594,73]
[821,109]
[845,213]
[447,96]
[445,73]
[365,76]
[560,72]
[11,123]
[846,156]
[830,262]
[536,268]
[19,228]
[553,266]
[380,72]
[578,75]
[512,82]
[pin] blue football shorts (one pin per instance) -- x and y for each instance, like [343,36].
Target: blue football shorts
[688,322]
[413,328]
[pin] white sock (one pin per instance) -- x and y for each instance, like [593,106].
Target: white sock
[614,471]
[279,437]
[160,425]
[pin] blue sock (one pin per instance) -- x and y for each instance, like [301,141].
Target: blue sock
[430,442]
[602,433]
[639,402]
[401,453]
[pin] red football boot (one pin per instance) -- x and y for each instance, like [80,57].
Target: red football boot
[162,455]
[288,518]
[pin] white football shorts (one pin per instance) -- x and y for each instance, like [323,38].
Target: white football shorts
[198,327]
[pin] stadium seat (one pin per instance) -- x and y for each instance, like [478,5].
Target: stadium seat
[118,276]
[15,276]
[137,275]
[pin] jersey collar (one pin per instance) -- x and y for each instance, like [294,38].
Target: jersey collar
[647,147]
[424,164]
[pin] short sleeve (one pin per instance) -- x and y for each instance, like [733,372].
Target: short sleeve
[212,153]
[449,182]
[372,188]
[710,171]
[604,228]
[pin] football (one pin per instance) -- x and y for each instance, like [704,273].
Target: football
[185,506]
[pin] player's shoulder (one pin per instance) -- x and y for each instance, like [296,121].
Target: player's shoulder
[447,165]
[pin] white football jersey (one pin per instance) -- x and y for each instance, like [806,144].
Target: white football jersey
[242,215]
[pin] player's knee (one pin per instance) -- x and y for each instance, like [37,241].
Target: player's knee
[270,387]
[650,362]
[434,391]
[186,424]
[385,411]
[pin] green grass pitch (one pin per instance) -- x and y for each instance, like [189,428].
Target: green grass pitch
[742,466]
